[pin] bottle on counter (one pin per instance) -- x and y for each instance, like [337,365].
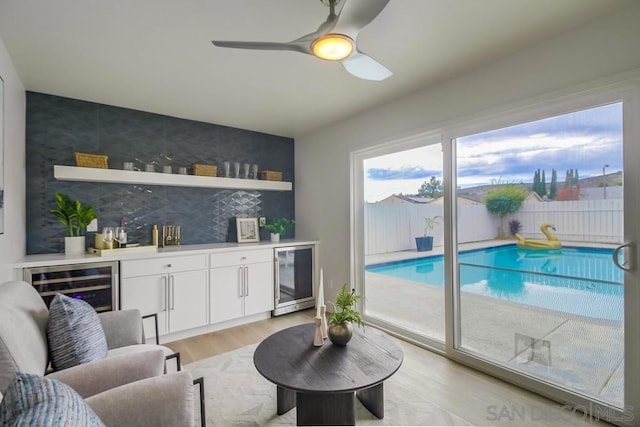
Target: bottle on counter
[154,235]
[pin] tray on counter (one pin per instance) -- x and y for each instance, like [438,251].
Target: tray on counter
[123,251]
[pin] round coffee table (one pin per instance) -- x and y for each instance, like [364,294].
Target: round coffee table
[322,382]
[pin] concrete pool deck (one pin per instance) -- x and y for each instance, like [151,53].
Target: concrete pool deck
[583,353]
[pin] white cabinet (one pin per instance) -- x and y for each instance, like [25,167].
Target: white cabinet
[241,284]
[176,288]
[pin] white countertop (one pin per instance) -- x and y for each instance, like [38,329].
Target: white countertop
[62,259]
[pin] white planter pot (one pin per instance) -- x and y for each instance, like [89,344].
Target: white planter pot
[74,245]
[275,237]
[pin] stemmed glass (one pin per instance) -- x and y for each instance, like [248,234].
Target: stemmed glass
[107,237]
[121,236]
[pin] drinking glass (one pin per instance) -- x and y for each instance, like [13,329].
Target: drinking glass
[107,237]
[121,236]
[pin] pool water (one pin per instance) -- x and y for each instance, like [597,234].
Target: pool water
[581,281]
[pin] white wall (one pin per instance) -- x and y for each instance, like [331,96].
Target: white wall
[600,49]
[12,242]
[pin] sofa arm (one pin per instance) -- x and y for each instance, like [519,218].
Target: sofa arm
[95,377]
[166,400]
[122,327]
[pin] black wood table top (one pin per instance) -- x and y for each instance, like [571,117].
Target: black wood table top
[289,359]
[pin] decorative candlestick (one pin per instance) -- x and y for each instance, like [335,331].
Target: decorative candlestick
[321,307]
[323,322]
[317,339]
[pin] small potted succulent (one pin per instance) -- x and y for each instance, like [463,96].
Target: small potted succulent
[278,226]
[340,322]
[75,217]
[425,243]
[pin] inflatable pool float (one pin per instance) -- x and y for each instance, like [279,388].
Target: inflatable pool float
[552,241]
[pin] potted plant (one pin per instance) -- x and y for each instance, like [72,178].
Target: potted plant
[340,328]
[425,243]
[278,226]
[75,217]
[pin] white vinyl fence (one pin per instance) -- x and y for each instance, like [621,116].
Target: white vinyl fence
[580,220]
[394,227]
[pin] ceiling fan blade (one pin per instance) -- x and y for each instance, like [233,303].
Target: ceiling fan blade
[301,44]
[293,46]
[365,67]
[357,14]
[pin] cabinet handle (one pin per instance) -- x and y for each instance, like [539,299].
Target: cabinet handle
[168,266]
[246,281]
[166,292]
[240,282]
[276,269]
[172,284]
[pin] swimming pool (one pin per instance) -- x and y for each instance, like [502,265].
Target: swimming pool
[581,281]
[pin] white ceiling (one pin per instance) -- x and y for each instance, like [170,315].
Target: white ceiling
[156,55]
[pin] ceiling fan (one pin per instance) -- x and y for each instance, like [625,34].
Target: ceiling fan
[335,39]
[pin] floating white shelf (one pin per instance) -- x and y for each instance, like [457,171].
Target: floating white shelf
[117,176]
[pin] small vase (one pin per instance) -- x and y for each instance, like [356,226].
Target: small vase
[275,237]
[74,245]
[340,333]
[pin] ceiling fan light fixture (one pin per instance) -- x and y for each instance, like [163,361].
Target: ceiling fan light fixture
[332,47]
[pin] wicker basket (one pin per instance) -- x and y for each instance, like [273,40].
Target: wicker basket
[205,170]
[91,160]
[271,175]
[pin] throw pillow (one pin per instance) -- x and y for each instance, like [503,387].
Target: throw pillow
[74,333]
[32,400]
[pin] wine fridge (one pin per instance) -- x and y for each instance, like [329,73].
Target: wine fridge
[294,278]
[95,283]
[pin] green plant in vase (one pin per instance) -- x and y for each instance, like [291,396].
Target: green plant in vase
[344,314]
[75,216]
[278,226]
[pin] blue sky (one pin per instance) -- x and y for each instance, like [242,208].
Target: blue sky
[586,140]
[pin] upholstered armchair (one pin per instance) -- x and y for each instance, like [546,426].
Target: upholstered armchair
[126,387]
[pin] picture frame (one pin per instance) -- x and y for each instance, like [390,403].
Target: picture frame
[248,230]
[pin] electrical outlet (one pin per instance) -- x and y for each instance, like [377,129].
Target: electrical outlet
[262,221]
[93,225]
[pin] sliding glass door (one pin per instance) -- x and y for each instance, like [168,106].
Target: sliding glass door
[531,276]
[543,297]
[403,238]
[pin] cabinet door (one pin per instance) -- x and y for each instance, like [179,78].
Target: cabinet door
[259,288]
[149,295]
[188,300]
[226,293]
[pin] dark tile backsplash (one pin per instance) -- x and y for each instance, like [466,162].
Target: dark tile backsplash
[57,127]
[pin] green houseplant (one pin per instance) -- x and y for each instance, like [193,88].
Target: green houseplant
[425,243]
[340,322]
[278,226]
[75,216]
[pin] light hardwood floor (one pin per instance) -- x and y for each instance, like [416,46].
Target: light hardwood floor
[475,397]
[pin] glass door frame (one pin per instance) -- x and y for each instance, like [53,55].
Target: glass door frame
[629,94]
[357,256]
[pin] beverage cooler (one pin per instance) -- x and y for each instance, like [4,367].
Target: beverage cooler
[95,283]
[294,278]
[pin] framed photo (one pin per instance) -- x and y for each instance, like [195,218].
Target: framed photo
[248,230]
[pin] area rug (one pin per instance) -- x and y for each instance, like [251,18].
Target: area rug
[237,395]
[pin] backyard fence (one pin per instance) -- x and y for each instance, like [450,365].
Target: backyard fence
[393,227]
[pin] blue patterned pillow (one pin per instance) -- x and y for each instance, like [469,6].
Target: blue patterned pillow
[74,332]
[32,400]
